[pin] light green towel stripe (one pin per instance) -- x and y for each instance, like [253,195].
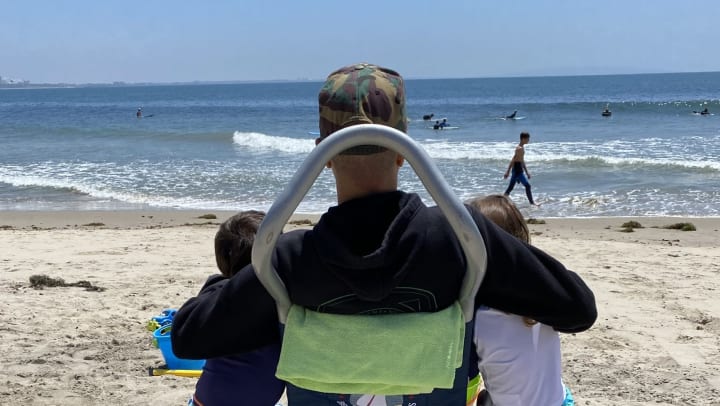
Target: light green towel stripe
[394,354]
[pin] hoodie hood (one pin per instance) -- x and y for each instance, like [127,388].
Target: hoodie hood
[370,244]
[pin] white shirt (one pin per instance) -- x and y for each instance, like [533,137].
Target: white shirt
[520,364]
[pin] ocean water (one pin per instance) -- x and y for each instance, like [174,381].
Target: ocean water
[236,146]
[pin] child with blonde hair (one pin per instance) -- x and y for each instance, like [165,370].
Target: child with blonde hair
[519,358]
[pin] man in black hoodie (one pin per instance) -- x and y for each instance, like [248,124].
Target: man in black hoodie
[380,250]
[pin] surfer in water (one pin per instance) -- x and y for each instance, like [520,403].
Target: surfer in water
[512,116]
[440,125]
[138,114]
[428,117]
[518,168]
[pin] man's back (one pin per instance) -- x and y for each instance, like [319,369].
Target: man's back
[386,253]
[519,155]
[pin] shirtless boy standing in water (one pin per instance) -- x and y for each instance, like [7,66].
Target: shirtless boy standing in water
[517,165]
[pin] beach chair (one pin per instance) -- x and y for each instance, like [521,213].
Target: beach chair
[302,338]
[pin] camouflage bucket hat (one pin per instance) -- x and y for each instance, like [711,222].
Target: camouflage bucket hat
[362,94]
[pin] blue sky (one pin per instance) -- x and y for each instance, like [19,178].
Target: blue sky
[87,41]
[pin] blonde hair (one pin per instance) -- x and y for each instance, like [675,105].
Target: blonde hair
[503,212]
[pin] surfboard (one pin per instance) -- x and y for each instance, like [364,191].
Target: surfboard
[514,118]
[317,133]
[449,127]
[433,120]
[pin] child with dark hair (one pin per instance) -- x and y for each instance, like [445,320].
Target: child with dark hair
[234,240]
[519,358]
[247,378]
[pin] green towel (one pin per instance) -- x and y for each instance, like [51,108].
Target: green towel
[391,354]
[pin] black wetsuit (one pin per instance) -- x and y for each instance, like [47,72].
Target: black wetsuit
[518,176]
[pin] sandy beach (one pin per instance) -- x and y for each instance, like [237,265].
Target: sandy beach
[656,341]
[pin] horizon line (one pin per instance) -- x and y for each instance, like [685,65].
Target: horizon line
[120,83]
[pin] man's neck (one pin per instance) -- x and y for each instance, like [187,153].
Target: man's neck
[345,194]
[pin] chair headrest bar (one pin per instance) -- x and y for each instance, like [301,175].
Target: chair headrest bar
[457,215]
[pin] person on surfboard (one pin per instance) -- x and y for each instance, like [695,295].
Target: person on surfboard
[511,116]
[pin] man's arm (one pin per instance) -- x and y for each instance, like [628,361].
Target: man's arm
[524,280]
[228,316]
[507,172]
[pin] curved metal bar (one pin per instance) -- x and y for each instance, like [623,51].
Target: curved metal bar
[368,134]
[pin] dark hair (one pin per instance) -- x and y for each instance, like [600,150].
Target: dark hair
[234,240]
[524,134]
[503,212]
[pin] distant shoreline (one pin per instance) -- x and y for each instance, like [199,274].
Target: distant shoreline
[143,84]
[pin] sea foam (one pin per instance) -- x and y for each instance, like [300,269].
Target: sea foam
[260,141]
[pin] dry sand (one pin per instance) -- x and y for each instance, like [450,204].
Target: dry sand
[656,341]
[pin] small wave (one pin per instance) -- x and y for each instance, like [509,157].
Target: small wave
[467,150]
[601,161]
[576,153]
[39,181]
[73,186]
[94,192]
[260,141]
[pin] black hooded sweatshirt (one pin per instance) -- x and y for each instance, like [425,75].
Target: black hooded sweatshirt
[385,253]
